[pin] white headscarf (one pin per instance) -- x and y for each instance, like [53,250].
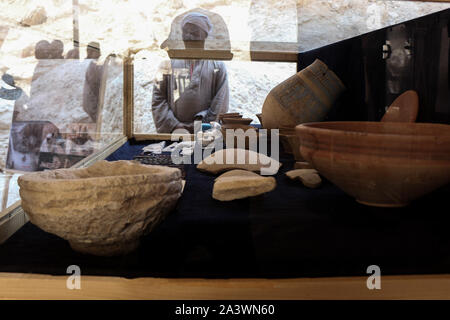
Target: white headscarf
[200,20]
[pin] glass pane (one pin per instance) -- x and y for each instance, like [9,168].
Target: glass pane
[228,35]
[110,118]
[249,83]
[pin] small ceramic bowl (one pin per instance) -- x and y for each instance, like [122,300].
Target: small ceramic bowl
[241,121]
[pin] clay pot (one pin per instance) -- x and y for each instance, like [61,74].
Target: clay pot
[404,109]
[305,97]
[379,163]
[104,209]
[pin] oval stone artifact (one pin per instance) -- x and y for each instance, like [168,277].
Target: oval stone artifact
[104,209]
[239,184]
[229,159]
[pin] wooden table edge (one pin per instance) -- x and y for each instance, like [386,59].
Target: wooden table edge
[47,287]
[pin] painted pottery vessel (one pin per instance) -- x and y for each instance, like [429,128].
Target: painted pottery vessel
[305,97]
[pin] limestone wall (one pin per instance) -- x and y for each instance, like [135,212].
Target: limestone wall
[118,25]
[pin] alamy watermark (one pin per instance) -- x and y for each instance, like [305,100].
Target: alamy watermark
[74,280]
[374,281]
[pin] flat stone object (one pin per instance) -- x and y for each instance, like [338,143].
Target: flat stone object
[303,165]
[239,184]
[309,177]
[229,159]
[103,209]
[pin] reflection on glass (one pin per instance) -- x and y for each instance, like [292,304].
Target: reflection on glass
[32,43]
[188,90]
[47,132]
[93,78]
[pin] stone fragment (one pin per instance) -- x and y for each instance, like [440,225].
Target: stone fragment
[309,177]
[239,184]
[303,165]
[229,159]
[103,209]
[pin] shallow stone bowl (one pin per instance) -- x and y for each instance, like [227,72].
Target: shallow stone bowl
[379,163]
[104,209]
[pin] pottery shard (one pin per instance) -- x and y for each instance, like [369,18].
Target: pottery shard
[34,17]
[309,177]
[229,159]
[239,184]
[304,97]
[103,209]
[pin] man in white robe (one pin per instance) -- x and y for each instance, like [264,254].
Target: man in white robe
[188,90]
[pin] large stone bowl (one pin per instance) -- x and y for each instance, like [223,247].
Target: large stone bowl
[104,209]
[379,163]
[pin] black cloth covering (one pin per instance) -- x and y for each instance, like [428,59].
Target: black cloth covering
[292,231]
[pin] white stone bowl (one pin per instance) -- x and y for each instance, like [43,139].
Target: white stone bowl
[104,209]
